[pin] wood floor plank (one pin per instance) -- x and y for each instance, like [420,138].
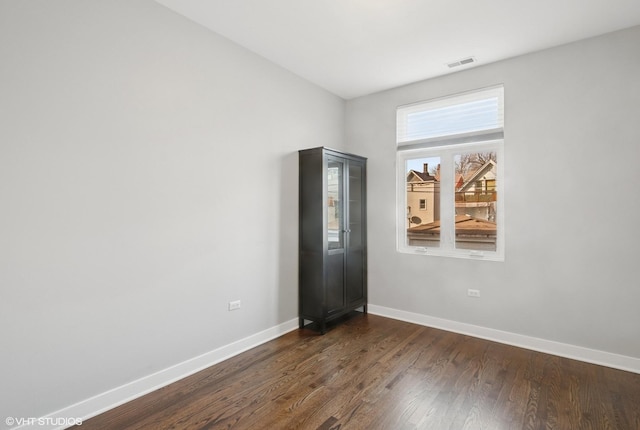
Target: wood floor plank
[370,372]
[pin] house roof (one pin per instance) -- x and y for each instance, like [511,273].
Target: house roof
[460,183]
[425,176]
[488,166]
[420,176]
[465,226]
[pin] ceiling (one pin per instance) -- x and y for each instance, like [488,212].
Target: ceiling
[357,47]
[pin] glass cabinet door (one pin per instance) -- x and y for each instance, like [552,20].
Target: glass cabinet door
[335,216]
[356,205]
[356,240]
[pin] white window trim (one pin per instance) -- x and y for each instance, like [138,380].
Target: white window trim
[444,141]
[450,136]
[447,200]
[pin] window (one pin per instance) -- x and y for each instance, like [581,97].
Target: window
[450,168]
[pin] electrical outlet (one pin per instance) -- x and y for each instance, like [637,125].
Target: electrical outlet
[234,305]
[473,293]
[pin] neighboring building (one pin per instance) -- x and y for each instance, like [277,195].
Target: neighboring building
[477,195]
[423,197]
[475,200]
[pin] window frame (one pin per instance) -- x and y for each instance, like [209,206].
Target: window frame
[447,148]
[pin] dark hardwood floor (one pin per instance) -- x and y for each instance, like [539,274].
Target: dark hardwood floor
[371,372]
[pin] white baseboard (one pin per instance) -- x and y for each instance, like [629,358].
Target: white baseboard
[587,355]
[110,399]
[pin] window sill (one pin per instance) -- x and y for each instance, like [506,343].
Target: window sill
[462,253]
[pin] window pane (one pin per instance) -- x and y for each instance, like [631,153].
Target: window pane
[334,195]
[355,205]
[423,202]
[470,112]
[476,200]
[460,118]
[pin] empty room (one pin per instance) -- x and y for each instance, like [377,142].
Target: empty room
[338,214]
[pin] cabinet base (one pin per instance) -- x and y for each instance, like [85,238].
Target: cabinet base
[321,325]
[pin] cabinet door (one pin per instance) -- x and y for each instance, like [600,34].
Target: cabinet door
[356,228]
[335,234]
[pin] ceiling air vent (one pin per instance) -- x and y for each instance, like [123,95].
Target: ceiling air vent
[464,61]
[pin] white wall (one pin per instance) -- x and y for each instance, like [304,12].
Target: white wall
[129,137]
[125,155]
[572,148]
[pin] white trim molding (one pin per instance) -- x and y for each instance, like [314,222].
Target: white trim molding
[100,403]
[593,356]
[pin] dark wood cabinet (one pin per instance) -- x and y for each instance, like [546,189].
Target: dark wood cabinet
[333,235]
